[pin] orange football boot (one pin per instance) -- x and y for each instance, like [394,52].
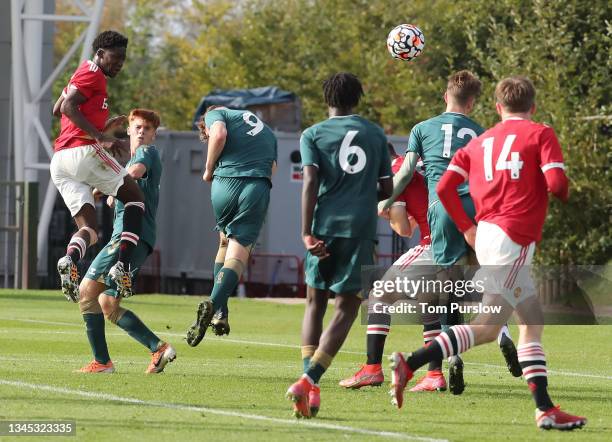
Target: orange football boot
[299,394]
[160,358]
[433,381]
[367,375]
[97,367]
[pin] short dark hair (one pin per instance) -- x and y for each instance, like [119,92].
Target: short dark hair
[462,86]
[515,94]
[342,90]
[201,124]
[109,40]
[212,107]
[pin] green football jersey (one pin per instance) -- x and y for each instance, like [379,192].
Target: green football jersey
[149,184]
[250,146]
[436,140]
[351,155]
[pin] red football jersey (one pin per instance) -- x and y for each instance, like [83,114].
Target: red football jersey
[505,168]
[416,198]
[91,83]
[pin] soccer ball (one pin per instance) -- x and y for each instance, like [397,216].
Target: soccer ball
[405,42]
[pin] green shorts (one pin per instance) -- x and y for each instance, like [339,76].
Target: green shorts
[340,272]
[240,205]
[99,267]
[447,242]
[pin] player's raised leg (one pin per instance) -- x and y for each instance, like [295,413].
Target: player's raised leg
[226,282]
[134,208]
[248,199]
[458,339]
[86,236]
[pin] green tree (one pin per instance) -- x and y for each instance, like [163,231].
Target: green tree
[180,51]
[564,47]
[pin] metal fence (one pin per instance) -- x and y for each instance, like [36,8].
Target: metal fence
[18,221]
[11,214]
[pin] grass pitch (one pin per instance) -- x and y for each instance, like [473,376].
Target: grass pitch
[232,388]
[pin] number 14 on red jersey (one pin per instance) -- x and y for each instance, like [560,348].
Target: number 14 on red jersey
[514,165]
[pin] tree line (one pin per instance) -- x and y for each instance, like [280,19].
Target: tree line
[181,50]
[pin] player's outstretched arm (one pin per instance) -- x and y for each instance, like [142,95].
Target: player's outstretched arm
[216,143]
[402,178]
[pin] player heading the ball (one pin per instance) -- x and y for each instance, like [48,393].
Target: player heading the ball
[81,161]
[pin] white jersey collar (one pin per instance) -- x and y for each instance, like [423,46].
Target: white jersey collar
[343,116]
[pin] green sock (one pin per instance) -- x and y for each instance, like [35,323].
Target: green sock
[225,283]
[137,330]
[306,362]
[218,266]
[94,323]
[315,371]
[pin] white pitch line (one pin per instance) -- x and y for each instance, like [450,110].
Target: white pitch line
[248,416]
[293,346]
[501,367]
[185,362]
[562,373]
[38,321]
[58,332]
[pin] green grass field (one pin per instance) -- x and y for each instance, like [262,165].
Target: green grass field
[232,388]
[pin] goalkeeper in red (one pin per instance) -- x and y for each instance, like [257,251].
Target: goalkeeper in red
[511,168]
